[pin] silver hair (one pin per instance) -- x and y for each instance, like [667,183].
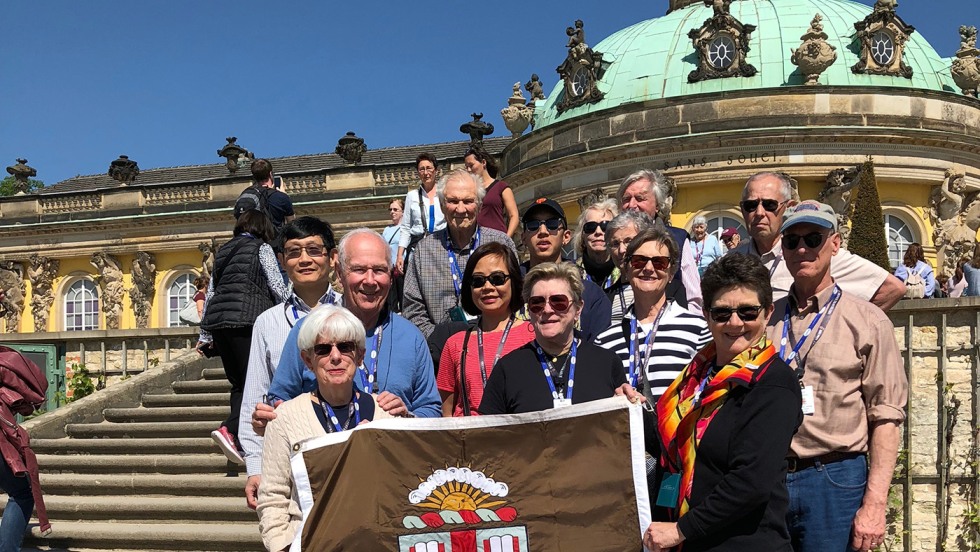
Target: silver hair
[460,174]
[785,184]
[332,323]
[639,221]
[657,185]
[610,206]
[344,256]
[698,220]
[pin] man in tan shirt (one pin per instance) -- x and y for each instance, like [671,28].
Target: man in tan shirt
[844,351]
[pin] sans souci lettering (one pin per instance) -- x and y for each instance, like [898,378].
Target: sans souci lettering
[731,159]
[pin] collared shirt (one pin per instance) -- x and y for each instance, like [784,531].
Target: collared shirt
[706,251]
[268,336]
[855,371]
[621,297]
[429,292]
[411,225]
[855,275]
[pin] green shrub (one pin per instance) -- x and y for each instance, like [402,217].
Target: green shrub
[867,222]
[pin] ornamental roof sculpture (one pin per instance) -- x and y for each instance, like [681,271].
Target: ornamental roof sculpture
[237,156]
[21,173]
[722,43]
[476,129]
[351,148]
[882,36]
[815,54]
[966,67]
[124,170]
[580,71]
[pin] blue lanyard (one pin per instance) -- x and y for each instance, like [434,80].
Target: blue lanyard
[369,370]
[432,217]
[327,299]
[636,364]
[500,349]
[704,382]
[454,267]
[547,367]
[828,310]
[354,413]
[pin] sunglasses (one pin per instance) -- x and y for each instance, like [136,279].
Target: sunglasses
[344,347]
[496,279]
[747,313]
[559,303]
[552,224]
[812,240]
[750,205]
[639,262]
[311,250]
[589,227]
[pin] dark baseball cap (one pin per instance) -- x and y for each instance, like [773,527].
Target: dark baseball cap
[544,203]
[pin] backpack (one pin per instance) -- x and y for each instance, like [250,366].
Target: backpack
[915,286]
[256,198]
[22,384]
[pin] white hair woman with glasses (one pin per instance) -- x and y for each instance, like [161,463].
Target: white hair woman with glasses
[657,337]
[557,369]
[705,247]
[619,233]
[331,343]
[590,244]
[722,429]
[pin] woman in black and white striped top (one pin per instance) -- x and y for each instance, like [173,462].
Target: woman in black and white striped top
[656,338]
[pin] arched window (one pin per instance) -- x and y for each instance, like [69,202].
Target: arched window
[718,223]
[899,237]
[180,292]
[82,306]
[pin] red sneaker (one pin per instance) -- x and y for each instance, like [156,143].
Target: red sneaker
[226,441]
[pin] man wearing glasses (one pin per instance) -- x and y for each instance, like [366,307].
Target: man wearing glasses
[765,199]
[849,368]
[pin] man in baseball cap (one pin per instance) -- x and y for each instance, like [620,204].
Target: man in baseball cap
[730,238]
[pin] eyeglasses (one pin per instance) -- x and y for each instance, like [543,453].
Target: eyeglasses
[496,279]
[771,205]
[559,303]
[812,240]
[552,224]
[747,313]
[639,262]
[589,227]
[311,250]
[616,244]
[344,347]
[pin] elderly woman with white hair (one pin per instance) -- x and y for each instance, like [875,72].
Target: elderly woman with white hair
[331,343]
[705,247]
[590,244]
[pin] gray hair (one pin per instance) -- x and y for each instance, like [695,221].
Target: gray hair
[568,272]
[344,256]
[698,220]
[610,206]
[657,184]
[636,219]
[460,174]
[785,183]
[332,323]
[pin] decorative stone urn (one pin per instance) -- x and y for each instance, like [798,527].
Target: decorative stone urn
[815,54]
[966,66]
[351,147]
[517,115]
[236,156]
[22,173]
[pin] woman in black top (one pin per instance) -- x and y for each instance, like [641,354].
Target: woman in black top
[556,369]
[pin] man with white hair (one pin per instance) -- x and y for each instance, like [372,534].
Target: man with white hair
[435,270]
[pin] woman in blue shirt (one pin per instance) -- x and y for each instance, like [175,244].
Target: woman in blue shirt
[915,263]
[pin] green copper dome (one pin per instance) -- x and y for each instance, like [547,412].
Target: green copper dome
[652,59]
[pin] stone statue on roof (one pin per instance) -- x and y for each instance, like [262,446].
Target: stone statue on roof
[124,169]
[721,7]
[476,129]
[886,5]
[535,88]
[968,37]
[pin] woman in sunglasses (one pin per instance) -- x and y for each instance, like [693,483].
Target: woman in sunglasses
[556,369]
[331,343]
[590,244]
[492,282]
[656,338]
[724,426]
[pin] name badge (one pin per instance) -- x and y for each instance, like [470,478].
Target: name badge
[669,489]
[809,406]
[562,403]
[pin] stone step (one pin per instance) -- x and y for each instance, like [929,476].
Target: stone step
[187,399]
[192,445]
[214,374]
[126,463]
[143,484]
[146,430]
[202,386]
[167,413]
[147,509]
[150,536]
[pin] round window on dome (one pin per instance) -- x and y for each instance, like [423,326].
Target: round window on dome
[580,80]
[721,52]
[882,48]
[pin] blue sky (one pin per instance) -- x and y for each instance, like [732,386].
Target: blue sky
[165,83]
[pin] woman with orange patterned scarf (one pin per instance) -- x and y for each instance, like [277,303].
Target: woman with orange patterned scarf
[724,427]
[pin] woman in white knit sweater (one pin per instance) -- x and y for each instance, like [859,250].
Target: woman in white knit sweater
[331,342]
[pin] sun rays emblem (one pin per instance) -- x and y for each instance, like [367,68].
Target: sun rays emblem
[457,489]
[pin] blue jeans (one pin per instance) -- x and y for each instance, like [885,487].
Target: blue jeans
[822,503]
[20,506]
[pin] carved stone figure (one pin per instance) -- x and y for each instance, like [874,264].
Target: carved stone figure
[351,148]
[955,216]
[207,250]
[815,54]
[476,129]
[237,156]
[966,66]
[591,198]
[517,115]
[21,173]
[144,287]
[535,87]
[837,193]
[581,71]
[13,289]
[124,170]
[669,188]
[722,42]
[42,271]
[886,5]
[882,36]
[110,280]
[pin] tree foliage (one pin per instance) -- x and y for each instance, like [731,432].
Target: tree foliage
[867,222]
[8,186]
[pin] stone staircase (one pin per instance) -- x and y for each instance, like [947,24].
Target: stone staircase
[147,477]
